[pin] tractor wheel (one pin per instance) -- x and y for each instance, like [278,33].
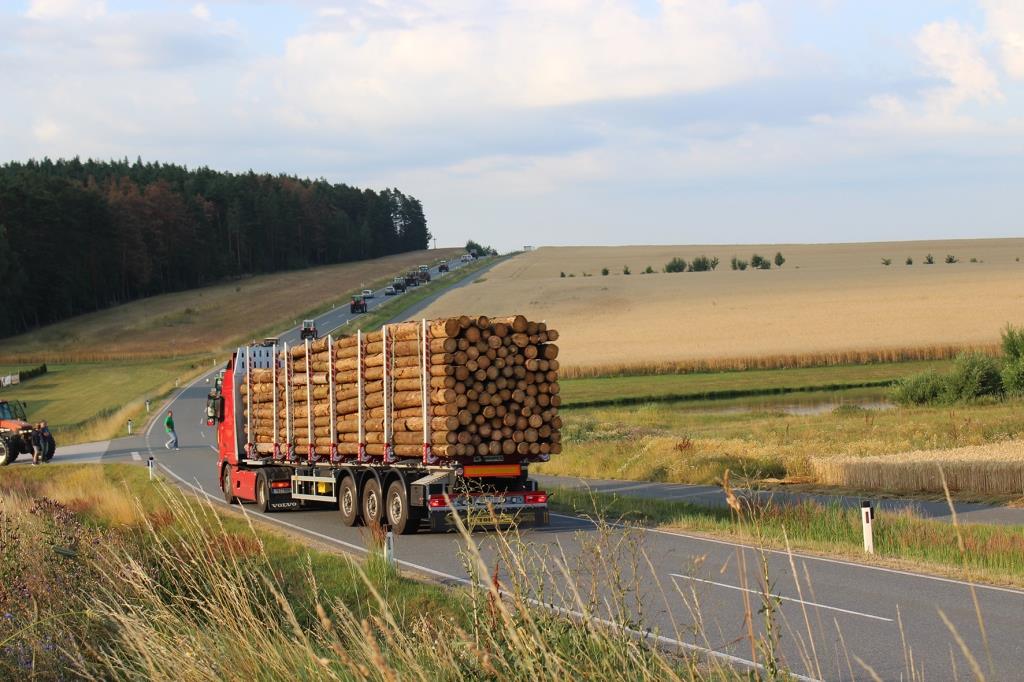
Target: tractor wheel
[49,448]
[7,453]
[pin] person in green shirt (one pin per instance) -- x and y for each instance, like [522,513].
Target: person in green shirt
[172,435]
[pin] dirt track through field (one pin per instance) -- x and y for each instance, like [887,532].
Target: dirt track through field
[830,297]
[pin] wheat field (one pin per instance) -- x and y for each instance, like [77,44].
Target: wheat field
[827,299]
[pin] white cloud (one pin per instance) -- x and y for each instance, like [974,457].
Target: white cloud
[1005,22]
[953,52]
[200,11]
[389,69]
[46,130]
[66,9]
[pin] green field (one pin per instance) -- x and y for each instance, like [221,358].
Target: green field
[93,401]
[698,386]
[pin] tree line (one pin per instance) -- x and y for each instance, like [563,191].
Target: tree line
[78,236]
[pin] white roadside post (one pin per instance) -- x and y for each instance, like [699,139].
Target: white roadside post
[867,516]
[151,466]
[389,548]
[130,425]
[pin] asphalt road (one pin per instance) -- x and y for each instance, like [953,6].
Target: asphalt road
[830,613]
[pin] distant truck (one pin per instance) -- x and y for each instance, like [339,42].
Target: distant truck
[412,279]
[309,330]
[399,284]
[443,267]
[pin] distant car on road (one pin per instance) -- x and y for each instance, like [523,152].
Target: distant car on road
[358,305]
[308,330]
[390,291]
[443,267]
[367,293]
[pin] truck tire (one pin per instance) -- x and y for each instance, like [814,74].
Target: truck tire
[7,454]
[49,448]
[401,516]
[373,505]
[348,501]
[262,494]
[225,485]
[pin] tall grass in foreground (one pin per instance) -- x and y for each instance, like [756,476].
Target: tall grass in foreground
[776,361]
[180,592]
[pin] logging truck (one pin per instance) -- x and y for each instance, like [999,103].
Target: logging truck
[407,427]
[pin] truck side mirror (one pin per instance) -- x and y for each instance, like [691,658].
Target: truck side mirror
[220,408]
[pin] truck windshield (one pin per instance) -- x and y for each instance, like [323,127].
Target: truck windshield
[5,411]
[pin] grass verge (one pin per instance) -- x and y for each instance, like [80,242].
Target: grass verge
[992,554]
[109,576]
[94,401]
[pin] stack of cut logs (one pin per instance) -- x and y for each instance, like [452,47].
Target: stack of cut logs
[490,391]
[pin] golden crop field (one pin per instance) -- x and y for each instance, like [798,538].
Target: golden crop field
[830,303]
[209,319]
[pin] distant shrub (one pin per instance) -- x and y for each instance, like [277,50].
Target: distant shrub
[974,375]
[760,262]
[910,261]
[626,270]
[563,274]
[586,274]
[1012,343]
[604,272]
[572,274]
[919,389]
[928,260]
[738,264]
[779,259]
[973,259]
[676,265]
[1013,377]
[703,264]
[950,258]
[848,411]
[887,261]
[649,270]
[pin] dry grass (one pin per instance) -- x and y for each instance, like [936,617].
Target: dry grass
[829,303]
[204,320]
[991,469]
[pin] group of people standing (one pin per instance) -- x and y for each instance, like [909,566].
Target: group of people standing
[40,439]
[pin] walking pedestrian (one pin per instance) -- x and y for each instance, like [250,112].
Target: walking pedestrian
[172,435]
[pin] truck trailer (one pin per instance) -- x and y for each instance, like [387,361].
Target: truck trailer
[401,479]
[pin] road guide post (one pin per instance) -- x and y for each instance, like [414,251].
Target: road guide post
[867,516]
[151,466]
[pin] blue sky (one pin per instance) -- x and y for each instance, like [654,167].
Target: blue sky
[563,122]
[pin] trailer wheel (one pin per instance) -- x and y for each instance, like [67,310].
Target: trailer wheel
[262,493]
[225,485]
[373,505]
[401,517]
[348,501]
[6,456]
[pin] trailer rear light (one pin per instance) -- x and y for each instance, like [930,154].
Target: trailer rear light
[437,502]
[536,498]
[280,484]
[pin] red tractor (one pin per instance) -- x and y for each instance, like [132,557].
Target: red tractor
[309,330]
[16,434]
[358,305]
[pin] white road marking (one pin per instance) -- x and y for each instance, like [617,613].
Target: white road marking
[646,636]
[136,456]
[779,596]
[202,433]
[808,557]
